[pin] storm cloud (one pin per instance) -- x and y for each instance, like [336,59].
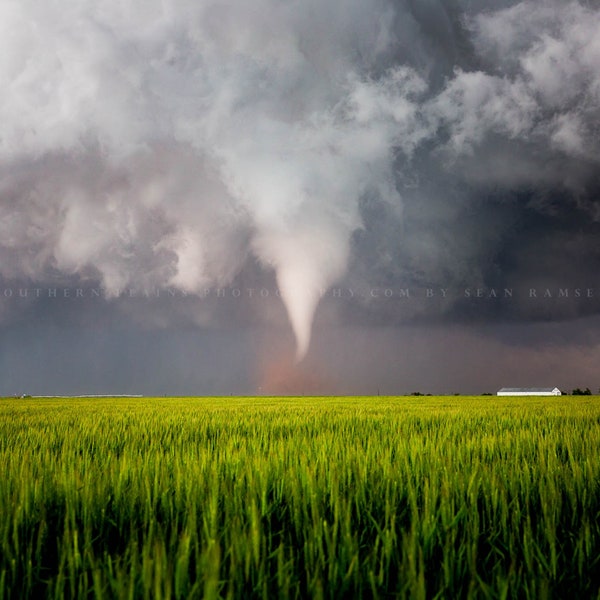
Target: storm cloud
[299,148]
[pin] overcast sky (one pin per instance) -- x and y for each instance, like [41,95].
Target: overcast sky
[339,196]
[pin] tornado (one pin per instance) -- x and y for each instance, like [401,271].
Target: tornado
[179,143]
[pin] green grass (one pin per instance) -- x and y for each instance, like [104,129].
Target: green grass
[428,497]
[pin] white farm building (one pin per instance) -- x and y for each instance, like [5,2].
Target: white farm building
[533,391]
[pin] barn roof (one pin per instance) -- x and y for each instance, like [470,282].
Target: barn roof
[527,389]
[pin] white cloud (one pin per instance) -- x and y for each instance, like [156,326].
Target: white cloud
[162,143]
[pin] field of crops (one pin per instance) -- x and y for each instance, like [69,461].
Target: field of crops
[300,498]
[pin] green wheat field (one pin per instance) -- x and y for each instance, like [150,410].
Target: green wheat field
[422,497]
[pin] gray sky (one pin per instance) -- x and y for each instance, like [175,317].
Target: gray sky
[401,195]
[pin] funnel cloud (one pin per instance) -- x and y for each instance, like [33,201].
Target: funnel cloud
[303,148]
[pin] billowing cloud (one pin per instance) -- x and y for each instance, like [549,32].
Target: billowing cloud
[185,144]
[160,144]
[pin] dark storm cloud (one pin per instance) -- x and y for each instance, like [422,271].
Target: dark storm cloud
[299,145]
[447,359]
[505,191]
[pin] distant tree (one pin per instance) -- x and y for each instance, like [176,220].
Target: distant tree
[580,392]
